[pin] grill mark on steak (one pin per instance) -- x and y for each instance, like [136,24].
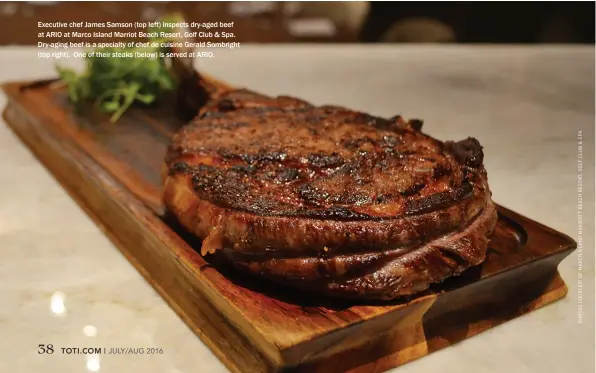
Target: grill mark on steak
[288,174]
[261,156]
[181,167]
[322,160]
[439,200]
[415,188]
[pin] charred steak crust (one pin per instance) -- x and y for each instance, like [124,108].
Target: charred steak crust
[329,199]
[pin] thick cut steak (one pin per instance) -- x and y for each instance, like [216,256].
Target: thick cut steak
[329,199]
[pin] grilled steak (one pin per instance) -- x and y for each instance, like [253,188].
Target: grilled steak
[329,199]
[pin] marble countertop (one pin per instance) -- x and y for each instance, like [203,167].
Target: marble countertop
[65,284]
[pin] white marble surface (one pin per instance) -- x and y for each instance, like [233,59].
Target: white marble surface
[525,105]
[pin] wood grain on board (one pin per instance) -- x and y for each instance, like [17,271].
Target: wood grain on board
[113,172]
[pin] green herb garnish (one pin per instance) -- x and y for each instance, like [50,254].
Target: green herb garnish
[114,83]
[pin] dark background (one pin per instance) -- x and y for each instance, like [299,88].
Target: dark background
[492,22]
[287,22]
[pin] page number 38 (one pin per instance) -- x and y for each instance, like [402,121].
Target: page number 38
[45,349]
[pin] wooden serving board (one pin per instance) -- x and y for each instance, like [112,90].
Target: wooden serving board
[113,171]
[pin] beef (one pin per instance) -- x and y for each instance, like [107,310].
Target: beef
[329,199]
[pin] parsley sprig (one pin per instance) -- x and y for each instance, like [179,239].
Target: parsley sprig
[116,83]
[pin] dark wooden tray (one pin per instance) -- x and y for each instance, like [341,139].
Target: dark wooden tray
[113,171]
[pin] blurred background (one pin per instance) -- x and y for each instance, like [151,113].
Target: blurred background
[355,22]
